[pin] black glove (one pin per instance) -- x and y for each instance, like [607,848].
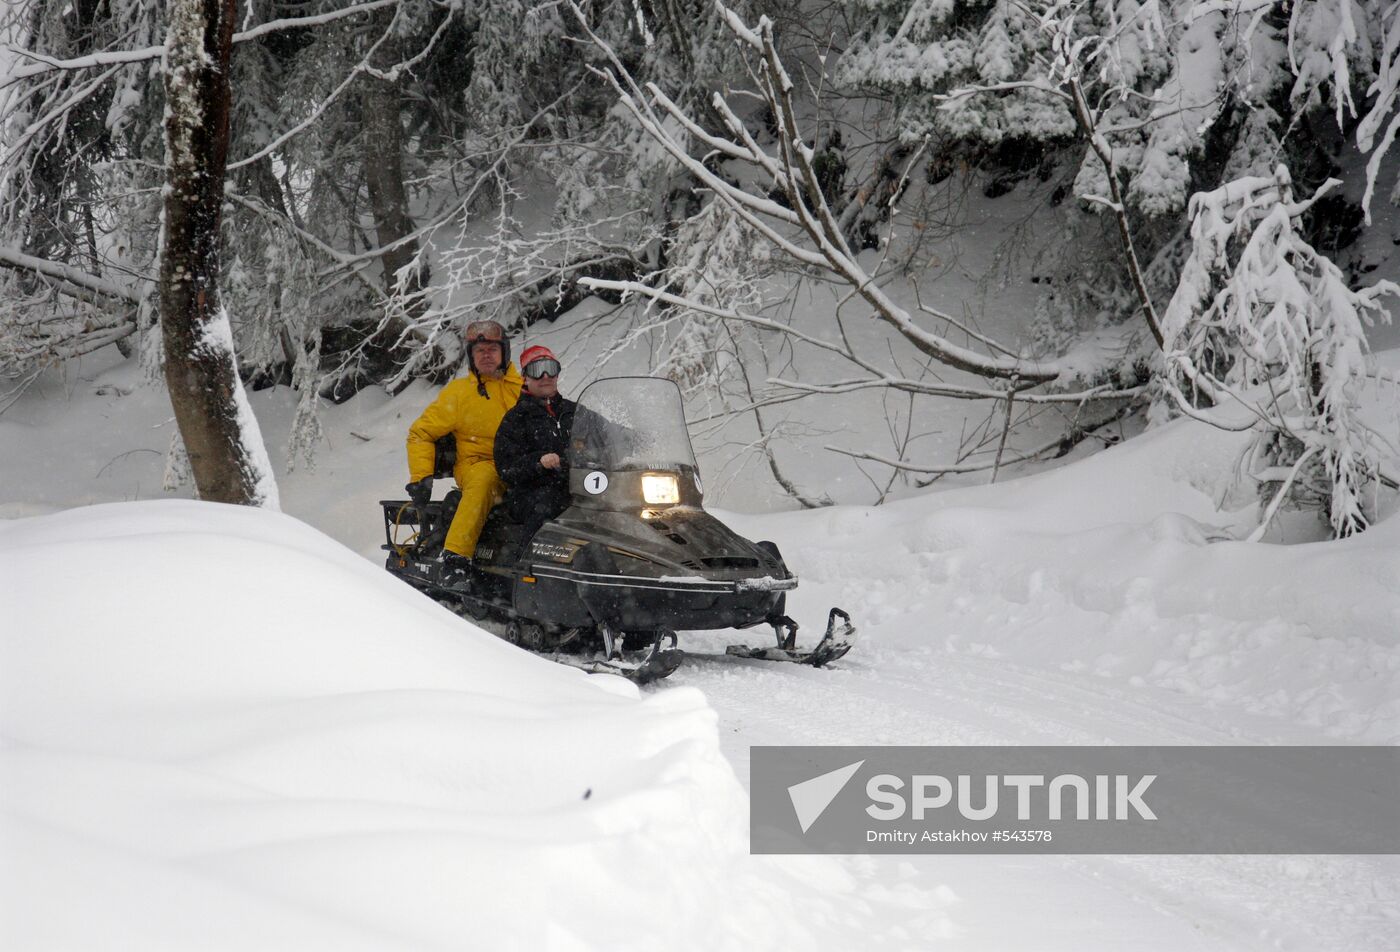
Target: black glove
[421,491]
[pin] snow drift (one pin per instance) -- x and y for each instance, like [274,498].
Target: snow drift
[222,730]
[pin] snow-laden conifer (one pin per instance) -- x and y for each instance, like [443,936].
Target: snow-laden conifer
[1261,318]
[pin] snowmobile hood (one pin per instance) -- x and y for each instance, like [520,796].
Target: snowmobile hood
[682,542]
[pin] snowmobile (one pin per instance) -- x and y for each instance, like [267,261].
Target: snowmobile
[634,558]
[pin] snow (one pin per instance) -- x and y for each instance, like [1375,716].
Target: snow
[1118,567]
[223,730]
[231,728]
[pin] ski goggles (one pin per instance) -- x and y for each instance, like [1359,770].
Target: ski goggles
[544,367]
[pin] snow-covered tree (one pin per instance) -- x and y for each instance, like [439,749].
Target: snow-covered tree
[1261,319]
[619,198]
[69,125]
[1179,96]
[779,193]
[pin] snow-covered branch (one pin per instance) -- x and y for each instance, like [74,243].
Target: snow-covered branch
[79,282]
[802,227]
[363,67]
[1053,446]
[45,64]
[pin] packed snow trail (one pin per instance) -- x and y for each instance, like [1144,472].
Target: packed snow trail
[1091,607]
[936,697]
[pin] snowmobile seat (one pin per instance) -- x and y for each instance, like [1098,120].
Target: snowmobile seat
[502,539]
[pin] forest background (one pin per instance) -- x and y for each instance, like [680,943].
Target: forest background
[1069,220]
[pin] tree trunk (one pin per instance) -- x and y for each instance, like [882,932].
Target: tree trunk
[383,164]
[382,154]
[226,453]
[388,198]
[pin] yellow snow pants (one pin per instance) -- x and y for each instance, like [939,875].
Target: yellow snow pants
[481,489]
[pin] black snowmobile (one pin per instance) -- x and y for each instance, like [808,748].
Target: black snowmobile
[634,558]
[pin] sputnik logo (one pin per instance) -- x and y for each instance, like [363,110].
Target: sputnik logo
[810,798]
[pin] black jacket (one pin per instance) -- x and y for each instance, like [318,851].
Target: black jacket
[531,429]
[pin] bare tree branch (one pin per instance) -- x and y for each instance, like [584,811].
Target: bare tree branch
[46,64]
[806,208]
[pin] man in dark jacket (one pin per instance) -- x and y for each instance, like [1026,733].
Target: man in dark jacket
[532,443]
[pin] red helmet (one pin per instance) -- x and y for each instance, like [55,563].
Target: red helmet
[537,352]
[549,364]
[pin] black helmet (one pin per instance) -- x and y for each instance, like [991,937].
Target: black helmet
[482,331]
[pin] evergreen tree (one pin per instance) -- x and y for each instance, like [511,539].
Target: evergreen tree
[1260,318]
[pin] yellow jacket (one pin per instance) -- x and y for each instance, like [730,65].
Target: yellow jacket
[461,410]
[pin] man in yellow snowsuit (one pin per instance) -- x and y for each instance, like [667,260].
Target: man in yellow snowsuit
[471,409]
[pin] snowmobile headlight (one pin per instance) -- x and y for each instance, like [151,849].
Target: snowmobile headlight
[660,489]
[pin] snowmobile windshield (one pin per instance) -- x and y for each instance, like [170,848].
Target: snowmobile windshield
[630,423]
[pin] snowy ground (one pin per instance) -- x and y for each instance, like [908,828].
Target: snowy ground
[199,755]
[301,763]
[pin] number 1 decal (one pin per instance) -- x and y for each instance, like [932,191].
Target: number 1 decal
[595,482]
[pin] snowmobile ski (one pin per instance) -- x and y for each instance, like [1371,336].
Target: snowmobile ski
[654,668]
[833,645]
[660,662]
